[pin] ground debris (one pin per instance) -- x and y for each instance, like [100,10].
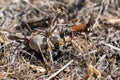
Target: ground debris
[39,37]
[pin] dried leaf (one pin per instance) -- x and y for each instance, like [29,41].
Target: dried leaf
[38,68]
[80,27]
[19,35]
[2,75]
[114,21]
[96,72]
[91,72]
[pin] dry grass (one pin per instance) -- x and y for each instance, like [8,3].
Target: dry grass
[59,54]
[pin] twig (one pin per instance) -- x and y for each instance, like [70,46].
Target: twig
[101,9]
[77,45]
[7,44]
[53,25]
[50,50]
[91,52]
[59,70]
[32,56]
[43,55]
[116,48]
[34,7]
[100,61]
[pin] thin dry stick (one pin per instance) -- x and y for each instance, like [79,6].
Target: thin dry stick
[28,26]
[7,43]
[91,52]
[116,48]
[49,4]
[43,55]
[101,9]
[8,67]
[34,7]
[25,52]
[50,49]
[100,61]
[77,45]
[56,73]
[53,25]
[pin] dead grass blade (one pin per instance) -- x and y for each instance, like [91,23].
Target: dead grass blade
[92,73]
